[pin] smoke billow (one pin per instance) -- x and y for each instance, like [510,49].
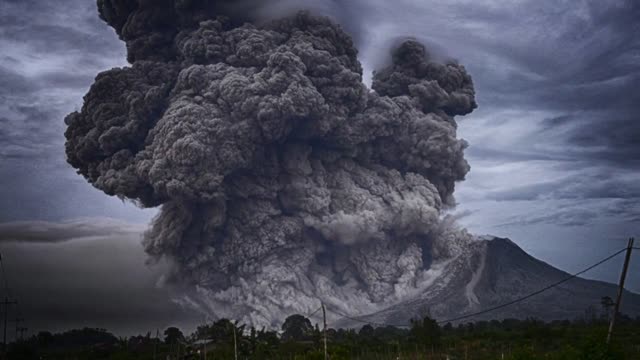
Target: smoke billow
[282,178]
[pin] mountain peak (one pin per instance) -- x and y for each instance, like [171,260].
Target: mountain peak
[493,271]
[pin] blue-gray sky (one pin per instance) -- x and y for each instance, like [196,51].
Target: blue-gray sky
[554,146]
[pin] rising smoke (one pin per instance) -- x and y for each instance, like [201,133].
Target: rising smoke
[282,178]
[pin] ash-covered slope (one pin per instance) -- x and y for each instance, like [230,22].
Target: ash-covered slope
[492,271]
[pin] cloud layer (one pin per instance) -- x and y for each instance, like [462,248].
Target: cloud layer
[53,232]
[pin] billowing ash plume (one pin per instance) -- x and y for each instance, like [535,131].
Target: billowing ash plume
[282,179]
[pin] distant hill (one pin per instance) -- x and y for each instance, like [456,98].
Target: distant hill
[492,271]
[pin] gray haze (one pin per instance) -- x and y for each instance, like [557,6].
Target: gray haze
[552,150]
[94,281]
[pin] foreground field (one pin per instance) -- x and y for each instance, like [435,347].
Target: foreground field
[299,339]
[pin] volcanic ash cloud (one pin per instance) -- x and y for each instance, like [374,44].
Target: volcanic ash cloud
[282,179]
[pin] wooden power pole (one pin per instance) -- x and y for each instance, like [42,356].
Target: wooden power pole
[324,320]
[22,330]
[623,276]
[155,344]
[235,343]
[6,304]
[18,320]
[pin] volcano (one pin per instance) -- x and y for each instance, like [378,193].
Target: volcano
[493,271]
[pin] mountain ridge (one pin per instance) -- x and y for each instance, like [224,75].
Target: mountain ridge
[492,271]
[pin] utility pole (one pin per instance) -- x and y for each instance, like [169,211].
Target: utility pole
[623,276]
[155,344]
[22,330]
[6,304]
[324,320]
[18,320]
[204,344]
[235,343]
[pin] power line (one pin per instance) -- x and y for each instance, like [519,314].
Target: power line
[535,292]
[495,307]
[364,321]
[315,312]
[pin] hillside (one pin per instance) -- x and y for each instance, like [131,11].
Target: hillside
[493,271]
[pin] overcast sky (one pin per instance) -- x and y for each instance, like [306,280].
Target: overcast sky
[554,144]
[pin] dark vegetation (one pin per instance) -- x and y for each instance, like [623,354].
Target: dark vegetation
[582,339]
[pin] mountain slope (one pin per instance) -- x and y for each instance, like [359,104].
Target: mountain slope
[493,271]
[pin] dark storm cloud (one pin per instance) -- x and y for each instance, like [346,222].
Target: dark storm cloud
[27,138]
[506,155]
[594,185]
[351,15]
[45,60]
[581,214]
[14,83]
[610,136]
[588,191]
[564,217]
[557,94]
[55,38]
[591,85]
[582,70]
[52,232]
[36,188]
[575,62]
[51,53]
[149,29]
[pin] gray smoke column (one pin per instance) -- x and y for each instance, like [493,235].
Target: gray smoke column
[282,179]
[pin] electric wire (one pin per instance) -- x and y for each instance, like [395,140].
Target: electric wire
[509,303]
[315,312]
[535,292]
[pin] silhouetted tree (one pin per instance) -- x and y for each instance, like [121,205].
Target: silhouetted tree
[220,331]
[607,304]
[296,328]
[448,327]
[366,331]
[590,314]
[425,331]
[267,343]
[44,338]
[173,335]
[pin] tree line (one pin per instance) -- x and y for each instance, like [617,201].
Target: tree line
[299,338]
